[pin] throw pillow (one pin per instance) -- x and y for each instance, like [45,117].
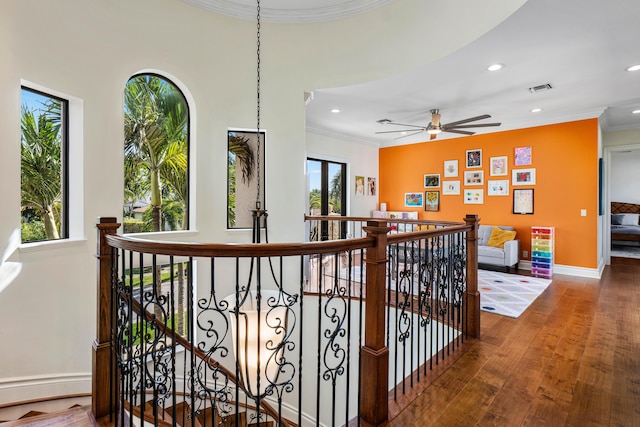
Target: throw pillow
[499,237]
[630,219]
[616,219]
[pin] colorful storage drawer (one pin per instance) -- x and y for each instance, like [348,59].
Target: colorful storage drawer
[542,248]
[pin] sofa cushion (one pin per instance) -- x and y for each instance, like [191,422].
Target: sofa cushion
[484,232]
[490,252]
[499,237]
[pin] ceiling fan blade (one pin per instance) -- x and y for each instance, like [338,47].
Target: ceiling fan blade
[410,134]
[470,119]
[405,130]
[403,124]
[463,132]
[479,125]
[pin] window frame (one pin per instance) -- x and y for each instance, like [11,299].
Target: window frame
[64,231]
[177,85]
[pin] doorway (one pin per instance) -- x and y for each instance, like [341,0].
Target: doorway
[328,194]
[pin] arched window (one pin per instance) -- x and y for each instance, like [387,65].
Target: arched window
[156,155]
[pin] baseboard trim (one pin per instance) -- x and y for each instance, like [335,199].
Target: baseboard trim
[594,273]
[40,388]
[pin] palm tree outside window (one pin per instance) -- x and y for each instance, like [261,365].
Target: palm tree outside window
[43,166]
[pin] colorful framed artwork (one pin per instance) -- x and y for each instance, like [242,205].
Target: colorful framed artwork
[359,185]
[432,180]
[450,168]
[498,166]
[498,187]
[371,186]
[474,158]
[450,188]
[522,156]
[432,200]
[413,200]
[473,177]
[523,201]
[473,196]
[523,176]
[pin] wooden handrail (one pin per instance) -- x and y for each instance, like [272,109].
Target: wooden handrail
[374,353]
[365,219]
[232,250]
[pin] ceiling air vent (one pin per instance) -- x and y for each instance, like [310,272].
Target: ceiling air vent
[540,88]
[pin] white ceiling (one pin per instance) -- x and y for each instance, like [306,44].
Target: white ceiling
[580,47]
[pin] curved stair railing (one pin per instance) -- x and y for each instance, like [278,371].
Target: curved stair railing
[171,348]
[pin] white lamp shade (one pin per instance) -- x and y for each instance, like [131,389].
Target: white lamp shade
[255,351]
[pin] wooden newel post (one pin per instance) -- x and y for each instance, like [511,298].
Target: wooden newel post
[374,373]
[472,296]
[101,388]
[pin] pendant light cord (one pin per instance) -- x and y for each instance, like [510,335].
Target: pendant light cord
[258,204]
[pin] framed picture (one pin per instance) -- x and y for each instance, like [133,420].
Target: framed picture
[413,200]
[523,201]
[371,186]
[242,184]
[450,168]
[432,180]
[474,158]
[498,187]
[450,188]
[473,177]
[359,185]
[522,156]
[473,196]
[432,200]
[498,166]
[523,176]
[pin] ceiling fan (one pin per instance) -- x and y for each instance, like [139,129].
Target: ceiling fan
[434,127]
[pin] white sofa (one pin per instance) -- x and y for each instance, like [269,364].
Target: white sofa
[489,255]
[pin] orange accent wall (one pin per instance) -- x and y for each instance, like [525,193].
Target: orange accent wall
[565,157]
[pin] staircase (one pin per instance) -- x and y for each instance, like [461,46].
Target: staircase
[76,416]
[81,416]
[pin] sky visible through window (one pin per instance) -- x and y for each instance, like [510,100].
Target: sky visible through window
[33,101]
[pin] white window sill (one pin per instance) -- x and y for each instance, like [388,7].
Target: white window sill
[51,245]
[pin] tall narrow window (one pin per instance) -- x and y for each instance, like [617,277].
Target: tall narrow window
[327,195]
[43,166]
[156,156]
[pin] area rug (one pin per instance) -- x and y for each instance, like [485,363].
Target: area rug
[508,294]
[625,251]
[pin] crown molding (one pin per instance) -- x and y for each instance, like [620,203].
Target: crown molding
[281,13]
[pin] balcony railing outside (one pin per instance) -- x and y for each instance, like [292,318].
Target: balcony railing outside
[166,353]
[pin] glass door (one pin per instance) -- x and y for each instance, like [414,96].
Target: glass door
[327,196]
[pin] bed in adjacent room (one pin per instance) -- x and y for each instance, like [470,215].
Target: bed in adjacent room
[625,221]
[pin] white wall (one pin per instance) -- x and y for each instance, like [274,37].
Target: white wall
[361,160]
[89,48]
[625,176]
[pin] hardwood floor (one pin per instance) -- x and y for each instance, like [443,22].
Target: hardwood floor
[572,359]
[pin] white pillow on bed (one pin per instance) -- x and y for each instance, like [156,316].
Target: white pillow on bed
[630,219]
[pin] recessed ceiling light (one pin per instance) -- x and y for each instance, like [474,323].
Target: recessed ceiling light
[634,68]
[335,110]
[536,110]
[636,111]
[403,133]
[495,67]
